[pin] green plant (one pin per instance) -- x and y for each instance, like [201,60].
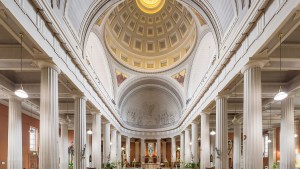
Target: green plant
[275,165]
[71,165]
[189,165]
[198,164]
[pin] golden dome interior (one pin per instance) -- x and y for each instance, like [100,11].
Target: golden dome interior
[150,42]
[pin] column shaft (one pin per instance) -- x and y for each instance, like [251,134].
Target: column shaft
[96,141]
[114,146]
[187,146]
[287,131]
[64,155]
[119,147]
[205,141]
[252,119]
[158,150]
[236,144]
[212,150]
[143,149]
[272,147]
[182,147]
[49,122]
[88,149]
[106,142]
[80,132]
[173,149]
[195,144]
[221,133]
[14,153]
[128,149]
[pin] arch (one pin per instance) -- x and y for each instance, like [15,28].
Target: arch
[201,62]
[98,9]
[155,81]
[99,62]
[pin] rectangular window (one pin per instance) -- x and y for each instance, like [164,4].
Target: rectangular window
[32,139]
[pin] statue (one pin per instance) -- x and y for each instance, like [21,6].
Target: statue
[150,151]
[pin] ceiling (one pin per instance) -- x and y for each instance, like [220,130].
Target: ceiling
[145,40]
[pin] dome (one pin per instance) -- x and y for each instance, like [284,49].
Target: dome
[150,35]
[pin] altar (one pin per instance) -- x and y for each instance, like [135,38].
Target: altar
[150,165]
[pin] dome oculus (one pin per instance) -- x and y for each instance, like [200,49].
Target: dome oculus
[150,6]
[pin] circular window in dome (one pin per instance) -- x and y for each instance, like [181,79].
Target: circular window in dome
[150,42]
[150,6]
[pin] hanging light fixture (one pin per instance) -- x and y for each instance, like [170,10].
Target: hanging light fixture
[212,133]
[281,94]
[89,132]
[21,92]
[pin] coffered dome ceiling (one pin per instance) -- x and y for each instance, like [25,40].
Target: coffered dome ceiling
[150,35]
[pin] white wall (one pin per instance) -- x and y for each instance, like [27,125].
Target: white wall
[98,60]
[202,60]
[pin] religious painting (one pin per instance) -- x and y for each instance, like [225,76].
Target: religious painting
[121,77]
[179,77]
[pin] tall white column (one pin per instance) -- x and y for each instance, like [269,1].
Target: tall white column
[272,147]
[113,151]
[143,149]
[182,151]
[137,151]
[106,143]
[297,146]
[236,144]
[195,144]
[164,150]
[49,120]
[221,133]
[64,155]
[119,146]
[128,149]
[96,140]
[287,131]
[14,153]
[212,150]
[158,150]
[205,141]
[252,118]
[88,149]
[187,145]
[80,132]
[173,150]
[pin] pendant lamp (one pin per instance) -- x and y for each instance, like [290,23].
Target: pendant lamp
[21,92]
[281,94]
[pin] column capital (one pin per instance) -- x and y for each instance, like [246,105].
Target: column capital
[222,95]
[14,97]
[254,64]
[79,95]
[206,112]
[95,111]
[46,63]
